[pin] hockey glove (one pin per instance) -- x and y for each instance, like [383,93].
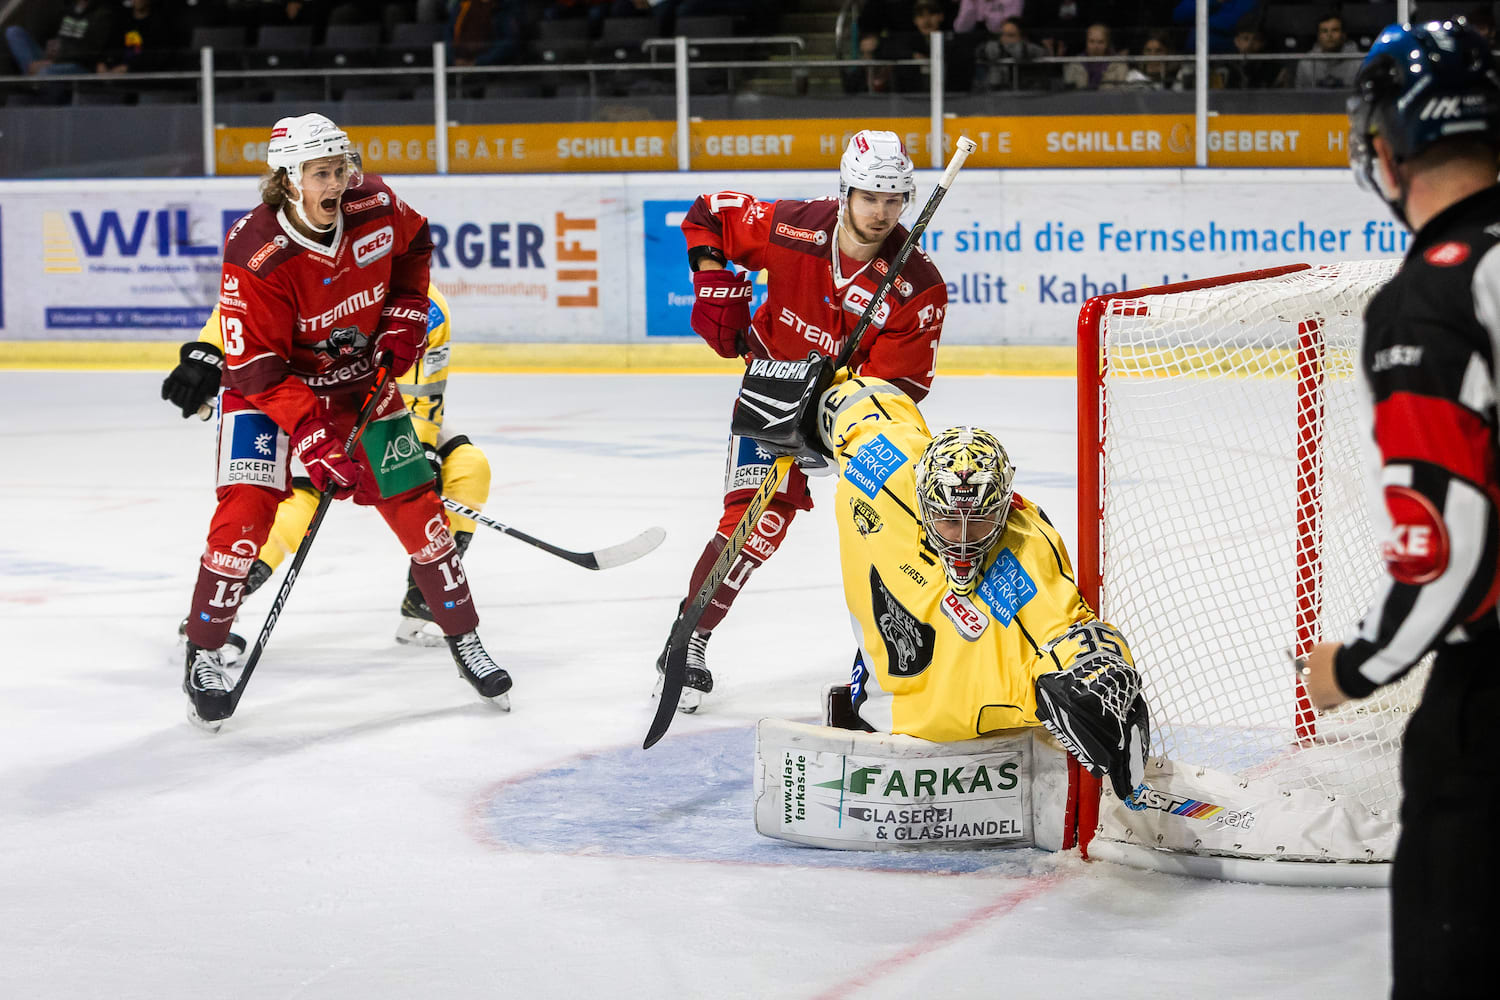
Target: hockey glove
[778,406]
[316,444]
[721,310]
[1096,711]
[402,335]
[195,380]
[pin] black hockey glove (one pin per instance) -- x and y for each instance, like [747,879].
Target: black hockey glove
[778,406]
[1096,711]
[195,380]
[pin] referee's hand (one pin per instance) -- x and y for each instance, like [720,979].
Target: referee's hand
[1318,678]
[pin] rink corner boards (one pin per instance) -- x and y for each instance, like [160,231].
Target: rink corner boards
[602,359]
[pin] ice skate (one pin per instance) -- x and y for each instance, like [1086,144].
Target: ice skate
[416,627]
[234,647]
[697,681]
[208,688]
[487,676]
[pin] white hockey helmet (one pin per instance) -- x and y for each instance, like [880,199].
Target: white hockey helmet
[295,141]
[876,161]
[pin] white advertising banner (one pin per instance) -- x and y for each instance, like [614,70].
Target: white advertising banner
[599,258]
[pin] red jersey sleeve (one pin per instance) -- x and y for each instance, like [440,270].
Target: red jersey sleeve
[735,224]
[406,304]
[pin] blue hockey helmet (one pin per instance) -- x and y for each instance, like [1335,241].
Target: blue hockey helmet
[1421,84]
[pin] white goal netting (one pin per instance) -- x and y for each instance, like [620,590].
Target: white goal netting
[1235,529]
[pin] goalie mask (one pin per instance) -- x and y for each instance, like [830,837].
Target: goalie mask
[1420,84]
[964,487]
[303,139]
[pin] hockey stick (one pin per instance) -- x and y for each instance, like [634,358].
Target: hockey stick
[366,411]
[606,558]
[675,668]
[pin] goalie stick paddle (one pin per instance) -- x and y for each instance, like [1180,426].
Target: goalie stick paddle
[367,410]
[675,668]
[606,558]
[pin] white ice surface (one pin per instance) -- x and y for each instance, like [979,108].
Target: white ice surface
[353,832]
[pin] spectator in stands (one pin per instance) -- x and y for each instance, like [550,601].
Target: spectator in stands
[1314,72]
[1097,43]
[76,45]
[1156,73]
[913,43]
[143,42]
[1059,25]
[1257,74]
[1002,59]
[1224,17]
[484,32]
[988,14]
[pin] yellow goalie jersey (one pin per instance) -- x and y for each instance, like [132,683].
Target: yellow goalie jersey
[937,665]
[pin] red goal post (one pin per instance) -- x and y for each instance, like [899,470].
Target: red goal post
[1222,523]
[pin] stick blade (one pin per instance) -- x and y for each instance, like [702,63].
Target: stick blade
[628,552]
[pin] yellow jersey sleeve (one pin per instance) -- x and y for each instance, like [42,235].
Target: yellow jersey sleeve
[211,334]
[423,387]
[939,666]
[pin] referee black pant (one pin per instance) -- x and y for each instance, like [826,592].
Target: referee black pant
[1445,884]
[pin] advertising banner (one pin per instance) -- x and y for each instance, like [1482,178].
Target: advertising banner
[1021,141]
[601,259]
[529,260]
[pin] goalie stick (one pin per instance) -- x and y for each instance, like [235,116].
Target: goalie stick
[675,668]
[606,558]
[371,403]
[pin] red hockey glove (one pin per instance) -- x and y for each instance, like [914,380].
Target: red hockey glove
[402,335]
[316,444]
[721,309]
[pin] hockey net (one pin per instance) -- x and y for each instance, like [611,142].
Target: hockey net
[1223,523]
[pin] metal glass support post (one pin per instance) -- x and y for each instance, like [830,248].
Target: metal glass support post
[206,110]
[1200,90]
[684,147]
[440,104]
[935,67]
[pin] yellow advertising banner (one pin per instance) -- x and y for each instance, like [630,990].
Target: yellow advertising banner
[817,143]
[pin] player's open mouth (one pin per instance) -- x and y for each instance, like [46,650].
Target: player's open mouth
[328,204]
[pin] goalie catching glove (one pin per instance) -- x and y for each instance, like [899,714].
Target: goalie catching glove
[1095,709]
[778,407]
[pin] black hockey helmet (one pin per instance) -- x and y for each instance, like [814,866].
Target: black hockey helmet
[1421,84]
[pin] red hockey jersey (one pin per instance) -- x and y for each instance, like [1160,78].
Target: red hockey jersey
[793,242]
[300,318]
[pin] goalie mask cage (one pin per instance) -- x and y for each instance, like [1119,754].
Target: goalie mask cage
[1223,522]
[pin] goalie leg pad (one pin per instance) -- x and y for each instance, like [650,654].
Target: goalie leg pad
[1098,714]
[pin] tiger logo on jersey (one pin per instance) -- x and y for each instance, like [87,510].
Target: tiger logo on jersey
[866,518]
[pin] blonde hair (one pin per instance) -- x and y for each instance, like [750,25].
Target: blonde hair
[273,190]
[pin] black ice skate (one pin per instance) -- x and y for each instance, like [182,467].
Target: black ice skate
[696,681]
[208,688]
[488,678]
[416,627]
